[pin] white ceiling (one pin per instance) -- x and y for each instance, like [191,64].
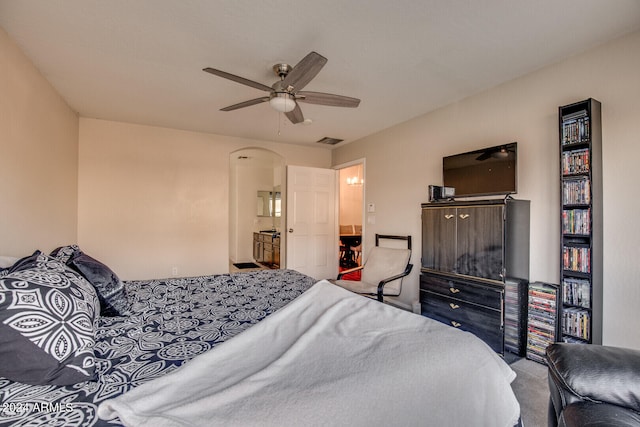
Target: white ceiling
[141,61]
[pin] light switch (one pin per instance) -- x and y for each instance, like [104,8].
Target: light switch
[371,219]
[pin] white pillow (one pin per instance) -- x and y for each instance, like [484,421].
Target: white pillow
[7,261]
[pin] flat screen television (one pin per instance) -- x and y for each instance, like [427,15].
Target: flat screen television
[485,172]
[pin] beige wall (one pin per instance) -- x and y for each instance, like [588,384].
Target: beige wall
[151,199]
[402,161]
[38,148]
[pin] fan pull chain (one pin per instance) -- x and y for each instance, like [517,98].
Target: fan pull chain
[279,122]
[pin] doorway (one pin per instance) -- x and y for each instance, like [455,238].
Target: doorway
[256,192]
[350,216]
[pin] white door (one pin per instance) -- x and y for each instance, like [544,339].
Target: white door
[311,228]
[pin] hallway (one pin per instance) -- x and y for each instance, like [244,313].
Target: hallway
[350,218]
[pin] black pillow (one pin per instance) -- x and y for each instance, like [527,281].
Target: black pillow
[48,316]
[110,289]
[64,253]
[25,262]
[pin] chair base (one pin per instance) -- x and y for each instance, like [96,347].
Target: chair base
[362,288]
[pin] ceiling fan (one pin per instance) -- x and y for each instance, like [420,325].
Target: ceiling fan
[285,94]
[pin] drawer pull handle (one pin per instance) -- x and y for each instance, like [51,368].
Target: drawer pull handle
[454,290]
[464,216]
[455,324]
[449,216]
[453,306]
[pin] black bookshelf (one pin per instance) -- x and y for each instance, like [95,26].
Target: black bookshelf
[581,222]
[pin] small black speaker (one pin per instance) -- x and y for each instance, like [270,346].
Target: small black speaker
[439,193]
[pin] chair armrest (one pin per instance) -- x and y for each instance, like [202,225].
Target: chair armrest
[351,270]
[598,414]
[595,373]
[383,282]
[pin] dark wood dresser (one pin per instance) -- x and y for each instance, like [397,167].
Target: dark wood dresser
[470,250]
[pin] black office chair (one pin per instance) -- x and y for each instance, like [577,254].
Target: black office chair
[382,272]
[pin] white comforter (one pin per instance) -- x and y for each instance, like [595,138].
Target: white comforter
[332,358]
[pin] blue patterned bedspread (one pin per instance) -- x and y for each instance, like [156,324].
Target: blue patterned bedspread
[174,320]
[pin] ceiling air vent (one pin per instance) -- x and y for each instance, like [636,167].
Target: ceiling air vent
[329,141]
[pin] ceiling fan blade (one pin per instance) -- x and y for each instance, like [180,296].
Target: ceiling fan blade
[237,79]
[304,71]
[327,99]
[484,156]
[245,104]
[295,115]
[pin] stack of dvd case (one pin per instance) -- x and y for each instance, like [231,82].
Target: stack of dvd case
[514,299]
[542,319]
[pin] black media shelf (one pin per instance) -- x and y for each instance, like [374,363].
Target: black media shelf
[580,134]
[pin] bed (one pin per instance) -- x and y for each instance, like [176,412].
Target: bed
[304,353]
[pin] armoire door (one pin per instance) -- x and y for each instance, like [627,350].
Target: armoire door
[480,241]
[439,239]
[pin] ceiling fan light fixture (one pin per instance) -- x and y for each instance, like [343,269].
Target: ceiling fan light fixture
[283,102]
[501,154]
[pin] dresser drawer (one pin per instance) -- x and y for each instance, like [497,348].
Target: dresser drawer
[483,322]
[463,290]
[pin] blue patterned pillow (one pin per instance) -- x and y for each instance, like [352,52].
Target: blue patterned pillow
[48,317]
[110,289]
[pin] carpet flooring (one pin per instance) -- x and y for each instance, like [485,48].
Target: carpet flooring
[532,391]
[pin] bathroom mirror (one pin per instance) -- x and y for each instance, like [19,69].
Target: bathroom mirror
[269,204]
[264,203]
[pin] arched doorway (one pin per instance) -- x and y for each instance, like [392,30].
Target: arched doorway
[256,195]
